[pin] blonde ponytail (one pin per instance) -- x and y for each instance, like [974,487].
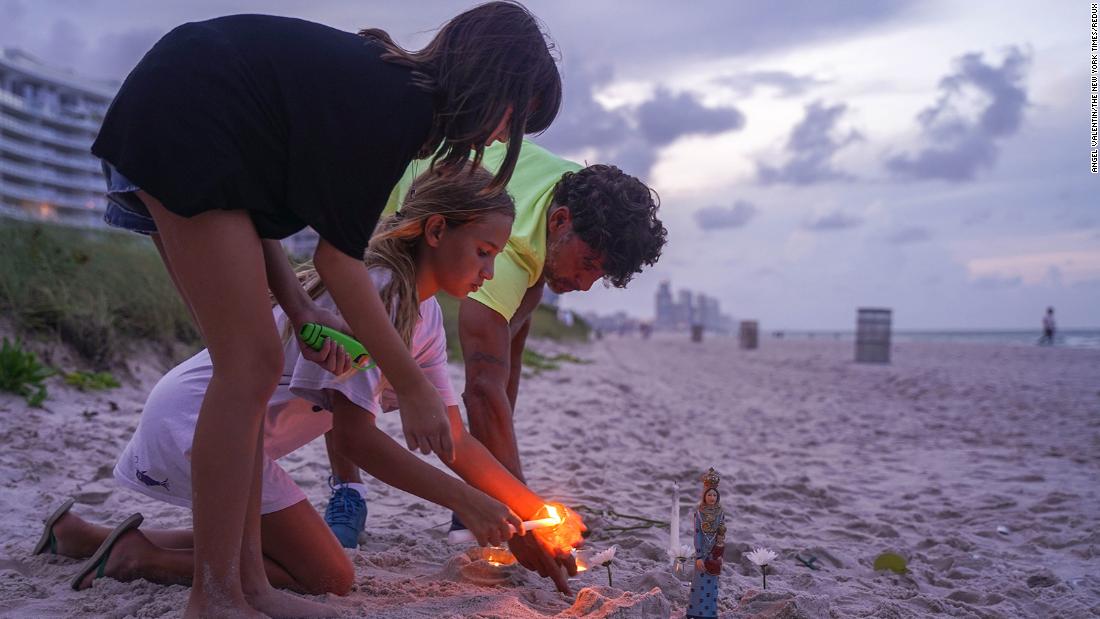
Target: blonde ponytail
[460,199]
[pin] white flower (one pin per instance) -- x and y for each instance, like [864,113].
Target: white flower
[683,554]
[761,556]
[604,557]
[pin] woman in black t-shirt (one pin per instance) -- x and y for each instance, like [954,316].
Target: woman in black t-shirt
[237,131]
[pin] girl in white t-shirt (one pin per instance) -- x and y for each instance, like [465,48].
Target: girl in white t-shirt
[445,239]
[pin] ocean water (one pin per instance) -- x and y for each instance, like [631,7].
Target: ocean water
[1069,338]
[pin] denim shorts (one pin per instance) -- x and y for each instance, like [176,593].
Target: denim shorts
[124,208]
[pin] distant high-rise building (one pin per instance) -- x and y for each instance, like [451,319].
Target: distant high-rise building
[708,313]
[685,310]
[689,309]
[665,317]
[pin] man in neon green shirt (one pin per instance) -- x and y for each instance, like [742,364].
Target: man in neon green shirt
[573,226]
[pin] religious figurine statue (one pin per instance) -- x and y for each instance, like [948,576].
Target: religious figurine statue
[710,542]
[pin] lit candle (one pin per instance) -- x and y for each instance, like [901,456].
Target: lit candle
[674,528]
[465,535]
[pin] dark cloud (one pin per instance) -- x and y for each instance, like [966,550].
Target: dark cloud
[836,220]
[717,217]
[785,84]
[667,117]
[910,234]
[628,138]
[811,147]
[961,146]
[583,122]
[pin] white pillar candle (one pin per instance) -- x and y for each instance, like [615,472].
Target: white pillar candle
[465,535]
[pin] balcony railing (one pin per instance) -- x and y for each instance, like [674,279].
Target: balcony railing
[39,195]
[27,107]
[86,163]
[45,212]
[38,174]
[83,144]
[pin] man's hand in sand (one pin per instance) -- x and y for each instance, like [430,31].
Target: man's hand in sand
[535,555]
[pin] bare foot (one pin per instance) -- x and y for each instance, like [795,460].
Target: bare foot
[78,538]
[207,609]
[213,600]
[280,604]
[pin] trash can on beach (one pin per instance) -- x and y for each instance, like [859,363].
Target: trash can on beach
[697,333]
[747,335]
[873,335]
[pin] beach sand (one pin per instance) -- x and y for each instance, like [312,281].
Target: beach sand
[925,457]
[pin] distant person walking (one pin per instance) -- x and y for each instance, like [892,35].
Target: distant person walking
[1048,328]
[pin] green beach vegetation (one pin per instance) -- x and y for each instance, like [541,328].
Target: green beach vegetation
[22,373]
[95,291]
[100,291]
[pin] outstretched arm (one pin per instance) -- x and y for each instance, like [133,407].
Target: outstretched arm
[375,452]
[515,366]
[486,339]
[423,416]
[519,327]
[479,468]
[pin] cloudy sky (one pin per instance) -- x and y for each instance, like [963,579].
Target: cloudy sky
[811,157]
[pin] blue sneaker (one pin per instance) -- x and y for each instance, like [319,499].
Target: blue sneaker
[346,513]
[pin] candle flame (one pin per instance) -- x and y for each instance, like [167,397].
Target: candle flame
[565,534]
[496,556]
[552,512]
[581,565]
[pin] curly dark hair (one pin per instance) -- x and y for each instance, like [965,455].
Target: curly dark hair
[616,215]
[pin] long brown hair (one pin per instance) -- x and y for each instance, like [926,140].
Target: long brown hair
[461,199]
[481,63]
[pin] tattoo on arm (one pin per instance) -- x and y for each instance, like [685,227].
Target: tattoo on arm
[487,358]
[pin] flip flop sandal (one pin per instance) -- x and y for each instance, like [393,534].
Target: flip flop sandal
[98,562]
[48,541]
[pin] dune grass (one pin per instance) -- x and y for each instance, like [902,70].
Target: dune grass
[94,290]
[99,290]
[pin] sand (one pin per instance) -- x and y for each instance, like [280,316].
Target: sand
[925,457]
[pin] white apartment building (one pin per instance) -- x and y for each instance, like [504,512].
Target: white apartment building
[48,119]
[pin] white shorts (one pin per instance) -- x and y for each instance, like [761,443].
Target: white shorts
[157,460]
